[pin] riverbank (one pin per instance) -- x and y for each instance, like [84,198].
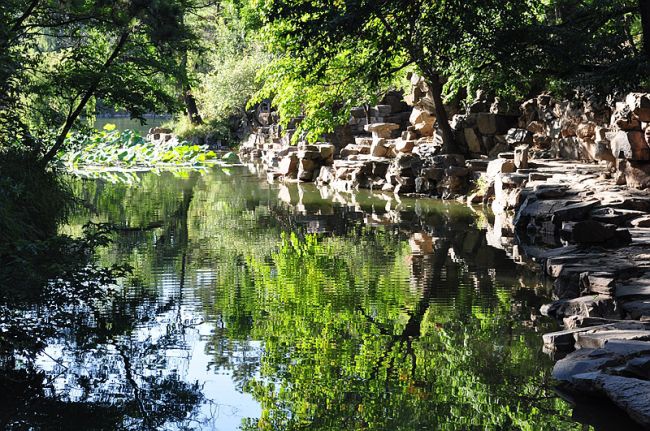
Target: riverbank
[583,218]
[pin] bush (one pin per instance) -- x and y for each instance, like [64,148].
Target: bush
[33,200]
[210,132]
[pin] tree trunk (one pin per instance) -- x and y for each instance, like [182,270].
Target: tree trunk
[72,117]
[448,140]
[188,98]
[644,8]
[190,106]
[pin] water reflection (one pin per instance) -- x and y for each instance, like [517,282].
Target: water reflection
[281,307]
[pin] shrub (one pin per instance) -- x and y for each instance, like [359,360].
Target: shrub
[33,200]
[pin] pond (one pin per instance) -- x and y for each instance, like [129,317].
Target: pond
[279,307]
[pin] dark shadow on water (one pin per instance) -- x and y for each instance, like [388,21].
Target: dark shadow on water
[275,307]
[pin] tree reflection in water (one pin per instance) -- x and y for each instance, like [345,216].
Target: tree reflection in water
[369,314]
[70,355]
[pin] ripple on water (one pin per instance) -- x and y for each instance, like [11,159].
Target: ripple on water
[280,307]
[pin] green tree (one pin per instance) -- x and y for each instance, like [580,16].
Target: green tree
[447,41]
[62,56]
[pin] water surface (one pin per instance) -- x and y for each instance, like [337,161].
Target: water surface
[273,307]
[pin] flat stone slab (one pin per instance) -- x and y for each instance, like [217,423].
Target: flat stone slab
[633,287]
[598,339]
[565,340]
[580,362]
[636,309]
[630,394]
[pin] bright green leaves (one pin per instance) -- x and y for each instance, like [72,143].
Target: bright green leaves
[112,148]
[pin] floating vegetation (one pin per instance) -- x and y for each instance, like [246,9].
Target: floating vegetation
[128,149]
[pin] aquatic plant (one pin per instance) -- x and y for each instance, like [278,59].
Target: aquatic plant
[127,148]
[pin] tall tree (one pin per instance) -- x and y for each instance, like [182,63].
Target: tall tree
[445,40]
[67,54]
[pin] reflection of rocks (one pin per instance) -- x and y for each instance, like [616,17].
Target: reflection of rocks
[421,243]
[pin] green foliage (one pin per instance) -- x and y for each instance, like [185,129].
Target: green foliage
[127,148]
[323,97]
[64,55]
[230,83]
[222,68]
[368,46]
[32,200]
[593,46]
[212,130]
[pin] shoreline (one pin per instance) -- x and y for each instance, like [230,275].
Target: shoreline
[586,233]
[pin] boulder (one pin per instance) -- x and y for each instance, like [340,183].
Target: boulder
[487,123]
[521,157]
[326,151]
[630,145]
[288,166]
[472,140]
[379,148]
[519,136]
[499,166]
[639,104]
[423,121]
[403,146]
[603,283]
[588,232]
[637,174]
[585,306]
[381,130]
[306,168]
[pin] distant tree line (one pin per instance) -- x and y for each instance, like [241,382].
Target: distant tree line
[209,60]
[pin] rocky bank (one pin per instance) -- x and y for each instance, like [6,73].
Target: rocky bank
[566,182]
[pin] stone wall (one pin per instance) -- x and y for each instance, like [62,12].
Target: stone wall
[395,145]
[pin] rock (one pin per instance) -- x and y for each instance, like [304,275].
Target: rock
[549,191]
[326,151]
[160,130]
[638,309]
[309,154]
[588,231]
[582,361]
[630,145]
[326,175]
[614,215]
[573,211]
[379,148]
[639,104]
[472,140]
[603,283]
[585,306]
[456,171]
[403,146]
[363,141]
[637,174]
[499,166]
[434,174]
[381,130]
[306,168]
[641,221]
[521,157]
[487,123]
[423,121]
[230,157]
[632,287]
[288,166]
[595,338]
[477,165]
[519,136]
[630,394]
